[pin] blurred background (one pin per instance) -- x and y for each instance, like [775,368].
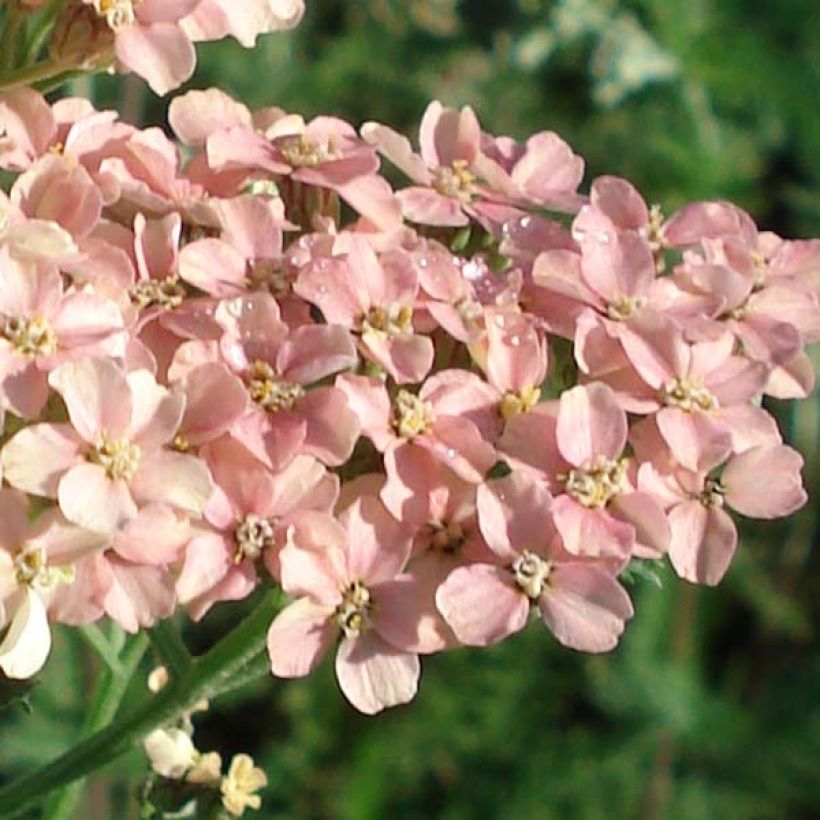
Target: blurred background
[710,708]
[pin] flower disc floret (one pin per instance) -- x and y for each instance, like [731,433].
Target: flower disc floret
[30,336]
[252,536]
[411,415]
[514,403]
[270,392]
[166,293]
[688,394]
[118,14]
[120,458]
[531,573]
[597,482]
[394,320]
[31,569]
[300,152]
[353,613]
[455,180]
[712,493]
[623,307]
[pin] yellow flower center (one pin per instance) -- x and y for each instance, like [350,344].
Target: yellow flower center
[597,482]
[253,535]
[31,336]
[353,613]
[624,306]
[514,403]
[120,458]
[531,573]
[268,391]
[300,152]
[118,14]
[168,293]
[455,180]
[688,394]
[411,415]
[32,570]
[394,320]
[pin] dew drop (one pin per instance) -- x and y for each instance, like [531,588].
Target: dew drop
[525,222]
[501,321]
[323,289]
[515,341]
[423,262]
[451,453]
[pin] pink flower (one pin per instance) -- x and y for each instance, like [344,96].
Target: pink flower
[111,459]
[579,600]
[454,417]
[578,452]
[374,297]
[248,512]
[762,482]
[41,326]
[343,576]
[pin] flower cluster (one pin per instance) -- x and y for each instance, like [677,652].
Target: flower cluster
[263,365]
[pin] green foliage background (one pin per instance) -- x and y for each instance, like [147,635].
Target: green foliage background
[710,708]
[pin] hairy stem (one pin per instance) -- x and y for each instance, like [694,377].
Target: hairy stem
[219,670]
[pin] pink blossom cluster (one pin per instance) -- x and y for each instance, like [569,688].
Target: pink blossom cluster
[247,360]
[156,38]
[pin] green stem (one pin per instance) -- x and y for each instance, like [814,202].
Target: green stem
[14,24]
[31,74]
[95,638]
[170,648]
[109,694]
[216,672]
[41,30]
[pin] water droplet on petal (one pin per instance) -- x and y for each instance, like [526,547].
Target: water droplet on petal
[451,453]
[525,222]
[501,320]
[423,262]
[322,289]
[515,341]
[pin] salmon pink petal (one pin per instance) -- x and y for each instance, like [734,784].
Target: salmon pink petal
[655,347]
[160,53]
[652,532]
[459,445]
[406,358]
[15,526]
[332,427]
[529,439]
[703,542]
[214,399]
[697,441]
[592,532]
[482,604]
[764,482]
[590,423]
[139,595]
[97,396]
[397,149]
[196,115]
[313,352]
[373,675]
[368,399]
[793,380]
[299,637]
[585,607]
[314,560]
[424,206]
[37,457]
[515,514]
[156,412]
[208,559]
[406,614]
[378,545]
[92,500]
[274,439]
[213,266]
[173,478]
[749,426]
[620,201]
[446,135]
[156,536]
